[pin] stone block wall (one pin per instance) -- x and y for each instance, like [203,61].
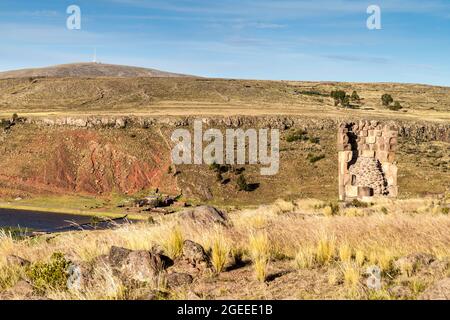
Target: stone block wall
[366,160]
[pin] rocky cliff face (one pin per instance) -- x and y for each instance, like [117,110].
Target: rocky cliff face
[416,130]
[105,155]
[71,160]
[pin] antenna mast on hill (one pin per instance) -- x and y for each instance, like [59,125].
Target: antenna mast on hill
[95,55]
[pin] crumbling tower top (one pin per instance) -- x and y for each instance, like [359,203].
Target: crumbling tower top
[366,155]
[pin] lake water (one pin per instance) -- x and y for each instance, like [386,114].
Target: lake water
[41,221]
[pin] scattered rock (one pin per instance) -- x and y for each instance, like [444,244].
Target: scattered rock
[191,295]
[155,295]
[176,279]
[205,215]
[413,262]
[14,260]
[439,291]
[400,292]
[20,291]
[438,266]
[180,204]
[195,254]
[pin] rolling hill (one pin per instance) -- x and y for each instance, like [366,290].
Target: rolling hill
[91,69]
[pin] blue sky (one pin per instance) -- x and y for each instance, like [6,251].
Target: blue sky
[252,39]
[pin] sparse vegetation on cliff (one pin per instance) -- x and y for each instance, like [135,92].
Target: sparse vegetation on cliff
[330,254]
[386,99]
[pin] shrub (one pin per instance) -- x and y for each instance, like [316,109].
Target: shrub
[355,96]
[49,275]
[297,135]
[358,204]
[340,98]
[242,183]
[214,166]
[314,140]
[310,92]
[219,168]
[386,99]
[417,286]
[9,276]
[331,209]
[397,106]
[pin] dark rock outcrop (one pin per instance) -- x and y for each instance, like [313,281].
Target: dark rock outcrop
[205,215]
[177,279]
[440,290]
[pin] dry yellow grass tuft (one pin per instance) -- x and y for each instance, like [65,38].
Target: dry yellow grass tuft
[174,243]
[351,275]
[219,253]
[259,248]
[325,249]
[345,252]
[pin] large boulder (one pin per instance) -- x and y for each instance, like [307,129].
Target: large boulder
[205,215]
[141,265]
[440,290]
[117,255]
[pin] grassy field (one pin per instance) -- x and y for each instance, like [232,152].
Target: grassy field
[202,97]
[289,249]
[73,204]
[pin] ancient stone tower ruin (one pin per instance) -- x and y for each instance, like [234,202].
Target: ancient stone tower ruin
[367,165]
